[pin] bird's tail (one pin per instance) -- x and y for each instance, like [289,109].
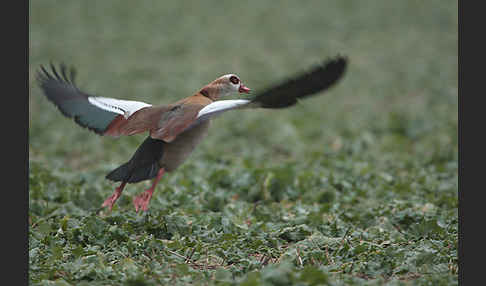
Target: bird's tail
[121,173]
[127,173]
[142,166]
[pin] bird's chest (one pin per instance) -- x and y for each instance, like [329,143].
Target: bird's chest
[177,151]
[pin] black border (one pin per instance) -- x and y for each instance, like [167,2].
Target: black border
[24,133]
[15,132]
[470,215]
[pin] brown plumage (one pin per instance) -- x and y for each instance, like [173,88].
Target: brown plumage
[174,129]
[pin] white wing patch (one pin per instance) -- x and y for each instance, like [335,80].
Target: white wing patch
[219,107]
[119,106]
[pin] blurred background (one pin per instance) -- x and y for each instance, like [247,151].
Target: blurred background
[397,101]
[374,158]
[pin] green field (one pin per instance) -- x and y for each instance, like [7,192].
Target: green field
[356,186]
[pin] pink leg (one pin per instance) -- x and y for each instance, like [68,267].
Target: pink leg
[141,201]
[110,201]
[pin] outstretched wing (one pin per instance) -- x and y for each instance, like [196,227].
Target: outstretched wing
[115,117]
[319,78]
[286,93]
[219,107]
[105,116]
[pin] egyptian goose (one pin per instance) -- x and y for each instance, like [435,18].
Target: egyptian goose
[174,129]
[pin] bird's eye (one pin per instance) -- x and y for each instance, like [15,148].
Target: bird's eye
[234,79]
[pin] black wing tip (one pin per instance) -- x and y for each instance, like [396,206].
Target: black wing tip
[339,58]
[49,79]
[45,77]
[317,78]
[337,63]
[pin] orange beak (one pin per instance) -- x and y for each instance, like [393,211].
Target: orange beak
[244,89]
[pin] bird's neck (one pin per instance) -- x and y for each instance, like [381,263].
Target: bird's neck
[212,92]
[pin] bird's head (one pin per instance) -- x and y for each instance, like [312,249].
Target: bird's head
[225,85]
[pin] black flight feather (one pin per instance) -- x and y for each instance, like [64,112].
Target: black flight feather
[319,78]
[61,90]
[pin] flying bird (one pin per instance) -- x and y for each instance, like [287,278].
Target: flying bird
[174,129]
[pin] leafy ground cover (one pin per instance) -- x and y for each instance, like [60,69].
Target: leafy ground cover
[354,187]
